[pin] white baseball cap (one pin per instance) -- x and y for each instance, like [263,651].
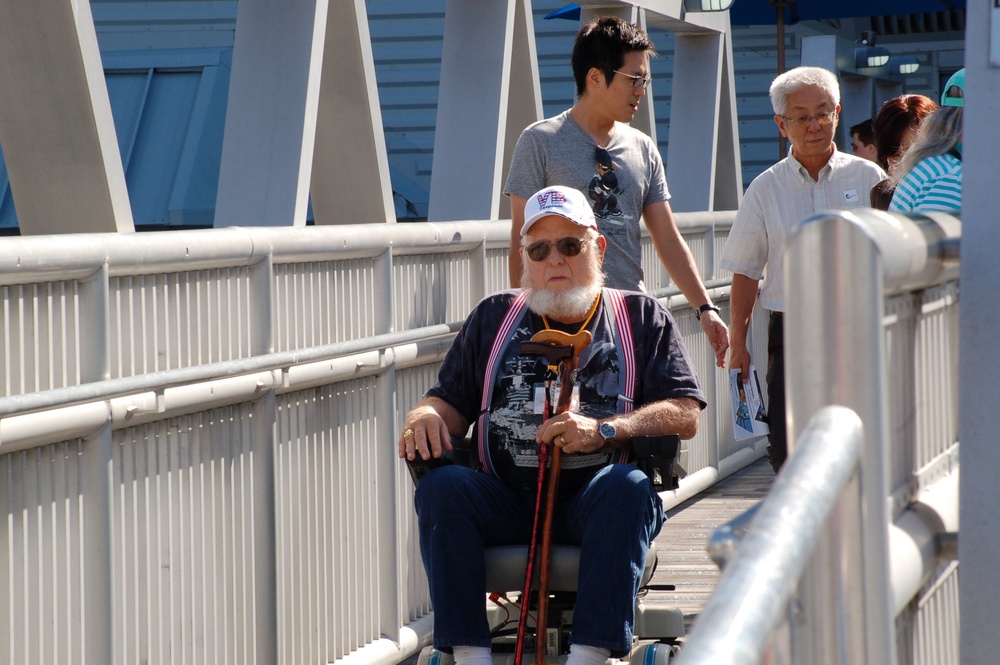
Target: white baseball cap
[557,200]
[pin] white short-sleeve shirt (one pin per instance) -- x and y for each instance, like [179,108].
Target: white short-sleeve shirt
[777,200]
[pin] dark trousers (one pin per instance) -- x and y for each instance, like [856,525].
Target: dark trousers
[777,451]
[614,518]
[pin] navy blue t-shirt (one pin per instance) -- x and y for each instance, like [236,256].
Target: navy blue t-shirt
[663,370]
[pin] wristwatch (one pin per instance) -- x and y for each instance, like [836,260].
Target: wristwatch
[608,431]
[707,307]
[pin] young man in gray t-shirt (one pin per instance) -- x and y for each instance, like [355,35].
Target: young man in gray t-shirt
[592,148]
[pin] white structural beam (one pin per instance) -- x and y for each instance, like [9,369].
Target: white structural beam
[979,360]
[472,110]
[350,177]
[524,98]
[728,170]
[698,149]
[56,127]
[270,135]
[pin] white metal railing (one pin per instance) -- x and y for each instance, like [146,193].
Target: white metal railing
[878,587]
[752,598]
[197,435]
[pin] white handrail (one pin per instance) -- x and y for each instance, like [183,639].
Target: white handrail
[754,591]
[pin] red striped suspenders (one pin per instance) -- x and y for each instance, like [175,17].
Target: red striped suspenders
[622,326]
[514,314]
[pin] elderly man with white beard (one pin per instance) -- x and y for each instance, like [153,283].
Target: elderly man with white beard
[634,379]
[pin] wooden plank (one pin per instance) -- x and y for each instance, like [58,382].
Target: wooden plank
[681,544]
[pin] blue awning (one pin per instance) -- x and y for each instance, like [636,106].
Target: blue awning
[763,12]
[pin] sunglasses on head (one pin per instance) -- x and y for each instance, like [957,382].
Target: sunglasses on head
[569,246]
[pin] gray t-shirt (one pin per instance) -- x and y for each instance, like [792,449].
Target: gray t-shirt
[556,151]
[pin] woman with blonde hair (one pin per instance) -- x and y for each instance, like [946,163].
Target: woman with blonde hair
[929,177]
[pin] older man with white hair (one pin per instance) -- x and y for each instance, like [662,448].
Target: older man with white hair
[814,177]
[633,379]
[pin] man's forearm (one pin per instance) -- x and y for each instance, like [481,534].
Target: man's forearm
[742,297]
[670,416]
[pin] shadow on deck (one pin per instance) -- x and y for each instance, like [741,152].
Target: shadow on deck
[682,543]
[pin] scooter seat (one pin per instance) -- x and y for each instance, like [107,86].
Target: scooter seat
[505,567]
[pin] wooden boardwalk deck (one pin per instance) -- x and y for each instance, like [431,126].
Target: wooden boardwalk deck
[681,544]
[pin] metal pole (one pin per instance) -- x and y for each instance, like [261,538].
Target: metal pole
[834,338]
[754,591]
[96,479]
[265,549]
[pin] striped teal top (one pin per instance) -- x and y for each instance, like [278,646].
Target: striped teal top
[935,183]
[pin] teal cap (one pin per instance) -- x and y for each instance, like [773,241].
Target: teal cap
[954,90]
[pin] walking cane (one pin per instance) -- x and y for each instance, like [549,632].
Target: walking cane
[560,349]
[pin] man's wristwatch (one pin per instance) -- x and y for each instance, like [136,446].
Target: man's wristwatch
[607,431]
[707,307]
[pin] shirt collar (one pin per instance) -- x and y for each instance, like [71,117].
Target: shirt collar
[803,173]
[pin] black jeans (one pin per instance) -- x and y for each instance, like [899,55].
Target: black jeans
[777,451]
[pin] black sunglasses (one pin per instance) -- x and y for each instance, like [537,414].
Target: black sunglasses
[606,168]
[568,246]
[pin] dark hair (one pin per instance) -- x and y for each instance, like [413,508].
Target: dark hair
[896,117]
[864,131]
[603,43]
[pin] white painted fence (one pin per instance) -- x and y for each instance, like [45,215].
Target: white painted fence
[197,435]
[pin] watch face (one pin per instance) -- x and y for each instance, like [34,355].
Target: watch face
[607,430]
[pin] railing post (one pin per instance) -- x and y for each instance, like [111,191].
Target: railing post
[97,475]
[262,294]
[834,342]
[388,556]
[478,278]
[383,291]
[95,345]
[265,560]
[391,603]
[96,478]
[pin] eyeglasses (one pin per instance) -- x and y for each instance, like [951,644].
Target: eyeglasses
[568,246]
[637,81]
[824,119]
[606,168]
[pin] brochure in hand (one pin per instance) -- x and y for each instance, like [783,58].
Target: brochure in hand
[749,417]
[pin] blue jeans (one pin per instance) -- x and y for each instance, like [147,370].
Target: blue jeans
[614,519]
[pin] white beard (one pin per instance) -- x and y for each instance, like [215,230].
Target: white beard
[570,305]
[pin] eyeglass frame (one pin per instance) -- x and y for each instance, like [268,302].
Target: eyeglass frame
[809,119]
[566,242]
[637,81]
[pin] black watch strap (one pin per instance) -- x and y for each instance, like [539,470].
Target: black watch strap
[707,307]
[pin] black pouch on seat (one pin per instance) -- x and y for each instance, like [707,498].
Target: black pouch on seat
[419,467]
[461,453]
[655,456]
